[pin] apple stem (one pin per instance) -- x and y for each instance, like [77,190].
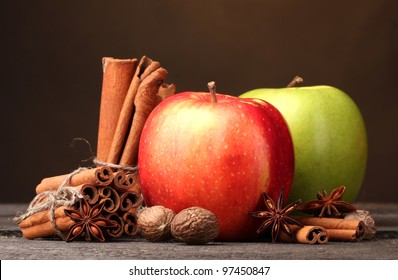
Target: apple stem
[212,89]
[296,80]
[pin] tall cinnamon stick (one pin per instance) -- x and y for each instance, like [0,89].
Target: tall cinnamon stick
[145,67]
[145,102]
[117,76]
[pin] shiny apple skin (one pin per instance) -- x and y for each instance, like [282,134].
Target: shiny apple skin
[220,156]
[329,138]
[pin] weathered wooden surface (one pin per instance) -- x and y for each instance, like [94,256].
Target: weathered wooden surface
[384,246]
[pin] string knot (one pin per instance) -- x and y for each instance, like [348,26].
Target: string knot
[50,200]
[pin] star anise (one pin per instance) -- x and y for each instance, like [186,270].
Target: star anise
[88,222]
[277,216]
[328,205]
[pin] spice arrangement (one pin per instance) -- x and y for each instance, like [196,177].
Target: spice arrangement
[196,225]
[325,225]
[102,202]
[187,167]
[109,203]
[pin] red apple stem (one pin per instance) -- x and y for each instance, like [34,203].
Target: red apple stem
[212,89]
[296,80]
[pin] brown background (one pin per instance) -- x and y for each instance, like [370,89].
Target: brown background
[51,69]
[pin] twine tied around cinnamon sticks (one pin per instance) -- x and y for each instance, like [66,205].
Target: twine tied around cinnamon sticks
[50,200]
[115,166]
[98,162]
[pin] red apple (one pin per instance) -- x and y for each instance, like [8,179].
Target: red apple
[218,152]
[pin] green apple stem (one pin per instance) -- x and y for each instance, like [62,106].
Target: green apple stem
[296,80]
[212,89]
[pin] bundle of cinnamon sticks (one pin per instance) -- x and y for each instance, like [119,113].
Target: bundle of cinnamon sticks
[118,191]
[131,89]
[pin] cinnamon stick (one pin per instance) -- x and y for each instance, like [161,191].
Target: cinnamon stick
[145,67]
[99,176]
[39,225]
[134,182]
[366,217]
[334,223]
[145,102]
[90,193]
[118,230]
[306,235]
[338,229]
[130,227]
[111,197]
[123,181]
[344,234]
[117,76]
[129,200]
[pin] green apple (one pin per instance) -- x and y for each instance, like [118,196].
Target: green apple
[329,138]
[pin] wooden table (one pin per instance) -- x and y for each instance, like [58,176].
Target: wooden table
[385,246]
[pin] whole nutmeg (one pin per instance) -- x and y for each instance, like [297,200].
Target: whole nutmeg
[154,223]
[195,225]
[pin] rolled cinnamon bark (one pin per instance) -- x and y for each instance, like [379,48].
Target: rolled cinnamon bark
[111,197]
[338,229]
[130,227]
[126,182]
[99,176]
[90,193]
[366,217]
[129,200]
[117,76]
[323,237]
[334,223]
[306,235]
[118,230]
[134,182]
[128,121]
[145,67]
[145,102]
[344,235]
[39,225]
[122,181]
